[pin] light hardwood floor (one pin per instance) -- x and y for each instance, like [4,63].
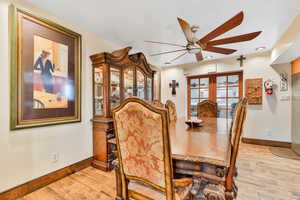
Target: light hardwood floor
[262,176]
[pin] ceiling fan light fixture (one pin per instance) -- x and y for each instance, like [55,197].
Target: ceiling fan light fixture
[260,48]
[167,63]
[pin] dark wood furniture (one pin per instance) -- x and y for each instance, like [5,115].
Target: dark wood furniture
[207,108]
[208,154]
[116,76]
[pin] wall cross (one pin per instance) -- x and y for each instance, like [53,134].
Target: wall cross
[173,85]
[241,59]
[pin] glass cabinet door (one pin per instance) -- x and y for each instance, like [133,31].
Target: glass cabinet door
[128,82]
[149,89]
[140,79]
[115,80]
[98,93]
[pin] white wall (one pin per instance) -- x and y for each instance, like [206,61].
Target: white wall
[26,154]
[269,121]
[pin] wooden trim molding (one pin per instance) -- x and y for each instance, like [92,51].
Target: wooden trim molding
[296,66]
[42,181]
[266,142]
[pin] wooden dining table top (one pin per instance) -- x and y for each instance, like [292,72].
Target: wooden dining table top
[209,143]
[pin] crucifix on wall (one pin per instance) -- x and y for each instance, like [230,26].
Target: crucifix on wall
[174,85]
[241,59]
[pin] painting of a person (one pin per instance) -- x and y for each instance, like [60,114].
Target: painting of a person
[47,68]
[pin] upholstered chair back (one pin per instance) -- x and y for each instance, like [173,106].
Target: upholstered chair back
[207,108]
[158,104]
[236,133]
[171,107]
[142,134]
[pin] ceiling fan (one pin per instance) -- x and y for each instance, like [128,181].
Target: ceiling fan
[206,43]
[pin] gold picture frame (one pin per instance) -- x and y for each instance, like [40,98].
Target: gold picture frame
[44,90]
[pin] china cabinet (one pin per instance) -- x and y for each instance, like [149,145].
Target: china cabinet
[116,76]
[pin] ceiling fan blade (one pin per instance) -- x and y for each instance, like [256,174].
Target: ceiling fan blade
[199,56]
[178,57]
[227,26]
[186,28]
[171,44]
[220,50]
[235,39]
[156,54]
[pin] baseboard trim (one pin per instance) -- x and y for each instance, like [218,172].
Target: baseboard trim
[42,181]
[266,142]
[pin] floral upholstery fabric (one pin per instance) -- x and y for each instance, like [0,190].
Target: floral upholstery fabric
[139,131]
[206,109]
[172,111]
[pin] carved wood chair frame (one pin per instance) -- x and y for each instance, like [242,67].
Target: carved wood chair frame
[212,104]
[169,104]
[158,104]
[237,128]
[168,169]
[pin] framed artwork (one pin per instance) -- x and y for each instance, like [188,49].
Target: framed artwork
[45,72]
[254,91]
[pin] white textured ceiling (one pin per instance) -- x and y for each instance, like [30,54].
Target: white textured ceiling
[129,23]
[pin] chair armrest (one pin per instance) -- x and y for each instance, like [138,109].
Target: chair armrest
[182,182]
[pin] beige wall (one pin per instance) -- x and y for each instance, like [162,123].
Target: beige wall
[287,39]
[269,121]
[27,154]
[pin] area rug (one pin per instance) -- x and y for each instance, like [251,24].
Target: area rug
[284,153]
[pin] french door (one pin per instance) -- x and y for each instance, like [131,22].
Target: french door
[224,89]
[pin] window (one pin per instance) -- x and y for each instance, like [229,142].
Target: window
[224,89]
[199,91]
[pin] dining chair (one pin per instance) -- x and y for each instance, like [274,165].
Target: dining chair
[144,169]
[220,184]
[235,138]
[158,104]
[171,107]
[207,108]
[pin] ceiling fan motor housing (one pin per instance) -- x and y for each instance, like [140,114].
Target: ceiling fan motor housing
[193,48]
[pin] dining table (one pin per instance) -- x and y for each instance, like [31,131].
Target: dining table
[208,143]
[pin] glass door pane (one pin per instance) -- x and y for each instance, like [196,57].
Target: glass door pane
[193,111]
[115,79]
[140,78]
[98,93]
[128,82]
[199,91]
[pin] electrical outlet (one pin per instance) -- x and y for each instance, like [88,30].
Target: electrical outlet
[55,157]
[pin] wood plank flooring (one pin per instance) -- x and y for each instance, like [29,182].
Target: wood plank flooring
[262,176]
